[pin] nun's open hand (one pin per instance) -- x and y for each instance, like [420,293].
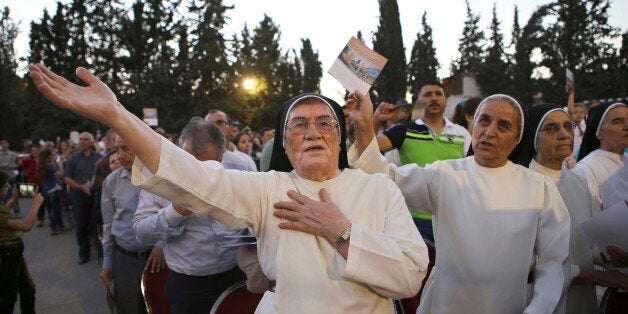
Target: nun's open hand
[306,215]
[94,101]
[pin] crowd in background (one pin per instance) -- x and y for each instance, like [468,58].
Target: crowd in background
[45,163]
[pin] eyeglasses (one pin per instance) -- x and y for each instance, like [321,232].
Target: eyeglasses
[553,128]
[221,122]
[324,125]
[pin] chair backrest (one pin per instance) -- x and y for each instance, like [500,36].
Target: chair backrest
[614,302]
[409,305]
[236,299]
[153,290]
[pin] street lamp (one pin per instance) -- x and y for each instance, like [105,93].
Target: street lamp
[249,83]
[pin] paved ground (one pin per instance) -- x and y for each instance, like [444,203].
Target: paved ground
[63,286]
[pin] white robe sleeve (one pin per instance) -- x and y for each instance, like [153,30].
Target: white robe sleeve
[230,196]
[552,249]
[585,172]
[418,185]
[392,263]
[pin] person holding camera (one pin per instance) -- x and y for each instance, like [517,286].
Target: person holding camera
[14,277]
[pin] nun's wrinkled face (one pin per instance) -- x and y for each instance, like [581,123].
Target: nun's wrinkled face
[495,133]
[614,130]
[312,141]
[554,141]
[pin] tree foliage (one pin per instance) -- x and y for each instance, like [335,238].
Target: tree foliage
[470,46]
[312,68]
[423,64]
[492,75]
[173,55]
[391,84]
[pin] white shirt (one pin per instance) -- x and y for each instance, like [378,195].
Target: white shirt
[453,129]
[491,222]
[237,157]
[581,298]
[606,174]
[387,258]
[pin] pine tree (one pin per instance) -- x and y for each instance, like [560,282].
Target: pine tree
[312,68]
[623,65]
[579,37]
[9,82]
[492,74]
[259,57]
[470,46]
[105,28]
[423,63]
[522,67]
[209,52]
[516,29]
[391,84]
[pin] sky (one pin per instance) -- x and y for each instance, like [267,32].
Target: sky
[330,23]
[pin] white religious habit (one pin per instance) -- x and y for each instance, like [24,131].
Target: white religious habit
[503,233]
[581,298]
[606,174]
[387,258]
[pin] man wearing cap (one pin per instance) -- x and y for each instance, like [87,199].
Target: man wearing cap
[232,157]
[425,140]
[503,230]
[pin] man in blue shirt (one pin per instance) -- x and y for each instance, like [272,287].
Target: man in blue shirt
[124,257]
[201,267]
[79,171]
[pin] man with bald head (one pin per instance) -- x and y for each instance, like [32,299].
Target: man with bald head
[503,230]
[232,156]
[79,171]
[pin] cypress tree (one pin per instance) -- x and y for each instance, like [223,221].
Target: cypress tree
[391,84]
[492,74]
[470,46]
[423,63]
[579,37]
[522,67]
[312,68]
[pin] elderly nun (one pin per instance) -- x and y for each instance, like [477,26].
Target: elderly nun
[602,160]
[333,239]
[503,230]
[547,140]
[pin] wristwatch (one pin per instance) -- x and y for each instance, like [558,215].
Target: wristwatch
[343,237]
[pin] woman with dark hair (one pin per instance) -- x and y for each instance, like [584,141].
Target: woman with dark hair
[51,173]
[14,275]
[458,116]
[331,237]
[464,112]
[243,142]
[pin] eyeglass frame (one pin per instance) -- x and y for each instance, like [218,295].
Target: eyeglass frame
[221,122]
[333,122]
[552,126]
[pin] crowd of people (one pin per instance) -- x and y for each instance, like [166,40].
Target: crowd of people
[342,202]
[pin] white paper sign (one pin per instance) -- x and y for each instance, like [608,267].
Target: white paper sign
[609,227]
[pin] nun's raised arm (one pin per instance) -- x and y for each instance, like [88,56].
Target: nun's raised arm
[97,102]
